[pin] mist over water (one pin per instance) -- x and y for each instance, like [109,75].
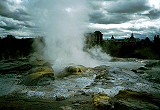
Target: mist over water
[64,23]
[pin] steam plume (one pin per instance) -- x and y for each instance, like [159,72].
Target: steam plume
[64,23]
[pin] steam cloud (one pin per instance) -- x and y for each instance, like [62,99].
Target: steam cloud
[64,23]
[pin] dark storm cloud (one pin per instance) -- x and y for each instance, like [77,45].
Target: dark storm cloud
[109,18]
[14,18]
[126,6]
[17,14]
[153,14]
[15,26]
[9,27]
[121,6]
[137,13]
[116,12]
[138,16]
[2,5]
[11,24]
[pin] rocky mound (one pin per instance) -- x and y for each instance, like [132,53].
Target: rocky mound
[34,78]
[72,70]
[150,71]
[84,93]
[127,100]
[29,71]
[135,100]
[101,101]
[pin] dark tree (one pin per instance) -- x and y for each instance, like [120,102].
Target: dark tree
[10,37]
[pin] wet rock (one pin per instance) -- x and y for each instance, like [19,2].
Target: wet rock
[14,67]
[19,76]
[107,78]
[84,102]
[37,63]
[134,105]
[25,67]
[77,104]
[72,70]
[99,77]
[136,100]
[103,74]
[153,79]
[60,98]
[80,102]
[21,65]
[101,68]
[45,69]
[87,87]
[23,59]
[102,101]
[153,64]
[143,68]
[85,94]
[9,60]
[40,68]
[14,96]
[134,70]
[65,108]
[140,71]
[114,59]
[47,64]
[33,70]
[33,79]
[145,75]
[44,81]
[75,70]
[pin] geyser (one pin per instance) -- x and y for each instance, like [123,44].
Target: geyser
[64,23]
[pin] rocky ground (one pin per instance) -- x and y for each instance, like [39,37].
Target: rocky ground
[121,84]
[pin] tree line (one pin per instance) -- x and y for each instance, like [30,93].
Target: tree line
[144,49]
[12,48]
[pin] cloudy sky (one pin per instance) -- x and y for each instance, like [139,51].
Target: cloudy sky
[112,17]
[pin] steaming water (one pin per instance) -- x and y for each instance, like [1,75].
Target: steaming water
[120,78]
[64,23]
[6,85]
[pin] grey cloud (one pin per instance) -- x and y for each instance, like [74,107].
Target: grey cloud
[17,20]
[11,24]
[147,32]
[9,27]
[135,29]
[97,4]
[151,28]
[2,5]
[125,6]
[116,11]
[121,6]
[153,14]
[104,12]
[109,18]
[18,14]
[8,23]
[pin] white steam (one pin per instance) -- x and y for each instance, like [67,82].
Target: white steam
[64,24]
